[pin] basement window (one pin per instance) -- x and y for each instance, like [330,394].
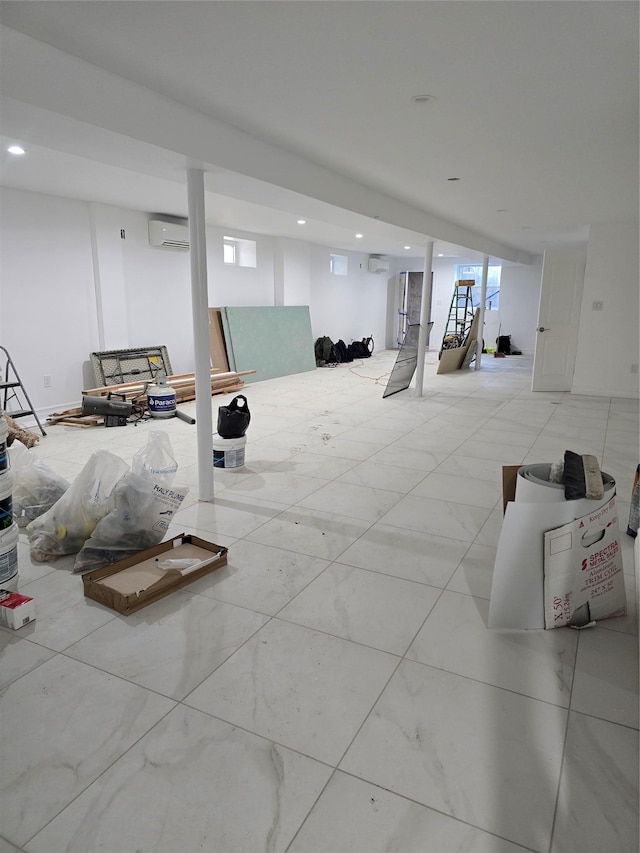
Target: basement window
[239,252]
[474,271]
[338,264]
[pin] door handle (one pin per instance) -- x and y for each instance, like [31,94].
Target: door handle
[542,329]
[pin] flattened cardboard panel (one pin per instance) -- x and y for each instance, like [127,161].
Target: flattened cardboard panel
[272,340]
[451,359]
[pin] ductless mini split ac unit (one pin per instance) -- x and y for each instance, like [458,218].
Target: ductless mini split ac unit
[170,235]
[378,265]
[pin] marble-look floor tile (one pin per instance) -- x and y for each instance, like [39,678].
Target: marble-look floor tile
[406,457]
[314,704]
[406,554]
[347,448]
[63,613]
[489,534]
[18,656]
[353,816]
[260,577]
[376,476]
[483,755]
[474,575]
[598,798]
[501,452]
[170,646]
[315,465]
[455,637]
[351,501]
[465,466]
[367,607]
[231,516]
[464,490]
[311,532]
[68,723]
[280,486]
[192,783]
[440,518]
[606,678]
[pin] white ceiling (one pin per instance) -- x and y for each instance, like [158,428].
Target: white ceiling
[535,110]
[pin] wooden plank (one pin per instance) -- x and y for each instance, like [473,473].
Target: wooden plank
[217,347]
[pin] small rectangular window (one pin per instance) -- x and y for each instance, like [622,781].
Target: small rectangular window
[338,264]
[474,271]
[239,251]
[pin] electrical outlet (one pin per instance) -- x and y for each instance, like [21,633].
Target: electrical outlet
[597,306]
[46,381]
[634,368]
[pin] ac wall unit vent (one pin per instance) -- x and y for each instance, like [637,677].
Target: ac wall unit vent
[378,265]
[169,235]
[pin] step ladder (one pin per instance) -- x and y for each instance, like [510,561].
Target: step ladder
[460,315]
[13,390]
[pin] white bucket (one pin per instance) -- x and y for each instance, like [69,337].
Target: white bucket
[11,584]
[8,555]
[228,452]
[4,452]
[6,500]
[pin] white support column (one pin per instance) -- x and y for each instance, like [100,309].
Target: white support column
[483,299]
[424,316]
[200,309]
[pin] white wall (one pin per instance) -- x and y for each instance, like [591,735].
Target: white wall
[48,322]
[347,307]
[519,299]
[608,343]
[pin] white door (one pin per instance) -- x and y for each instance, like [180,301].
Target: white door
[558,320]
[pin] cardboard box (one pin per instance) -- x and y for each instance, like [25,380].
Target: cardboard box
[16,610]
[509,477]
[135,582]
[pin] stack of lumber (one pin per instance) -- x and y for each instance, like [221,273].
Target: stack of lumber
[184,385]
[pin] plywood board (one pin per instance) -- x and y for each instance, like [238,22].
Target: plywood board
[217,346]
[272,340]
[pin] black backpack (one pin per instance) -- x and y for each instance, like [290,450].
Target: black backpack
[358,350]
[341,351]
[323,348]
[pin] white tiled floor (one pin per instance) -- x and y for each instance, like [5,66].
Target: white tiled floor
[335,687]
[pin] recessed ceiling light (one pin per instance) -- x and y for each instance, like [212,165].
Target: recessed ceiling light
[359,236]
[453,179]
[16,149]
[407,247]
[302,221]
[440,255]
[422,99]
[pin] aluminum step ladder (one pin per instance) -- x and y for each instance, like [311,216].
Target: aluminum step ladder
[460,315]
[13,390]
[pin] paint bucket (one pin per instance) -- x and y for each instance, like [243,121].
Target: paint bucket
[4,453]
[11,585]
[228,452]
[6,500]
[8,556]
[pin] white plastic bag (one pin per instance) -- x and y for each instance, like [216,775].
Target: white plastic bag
[140,509]
[36,487]
[64,528]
